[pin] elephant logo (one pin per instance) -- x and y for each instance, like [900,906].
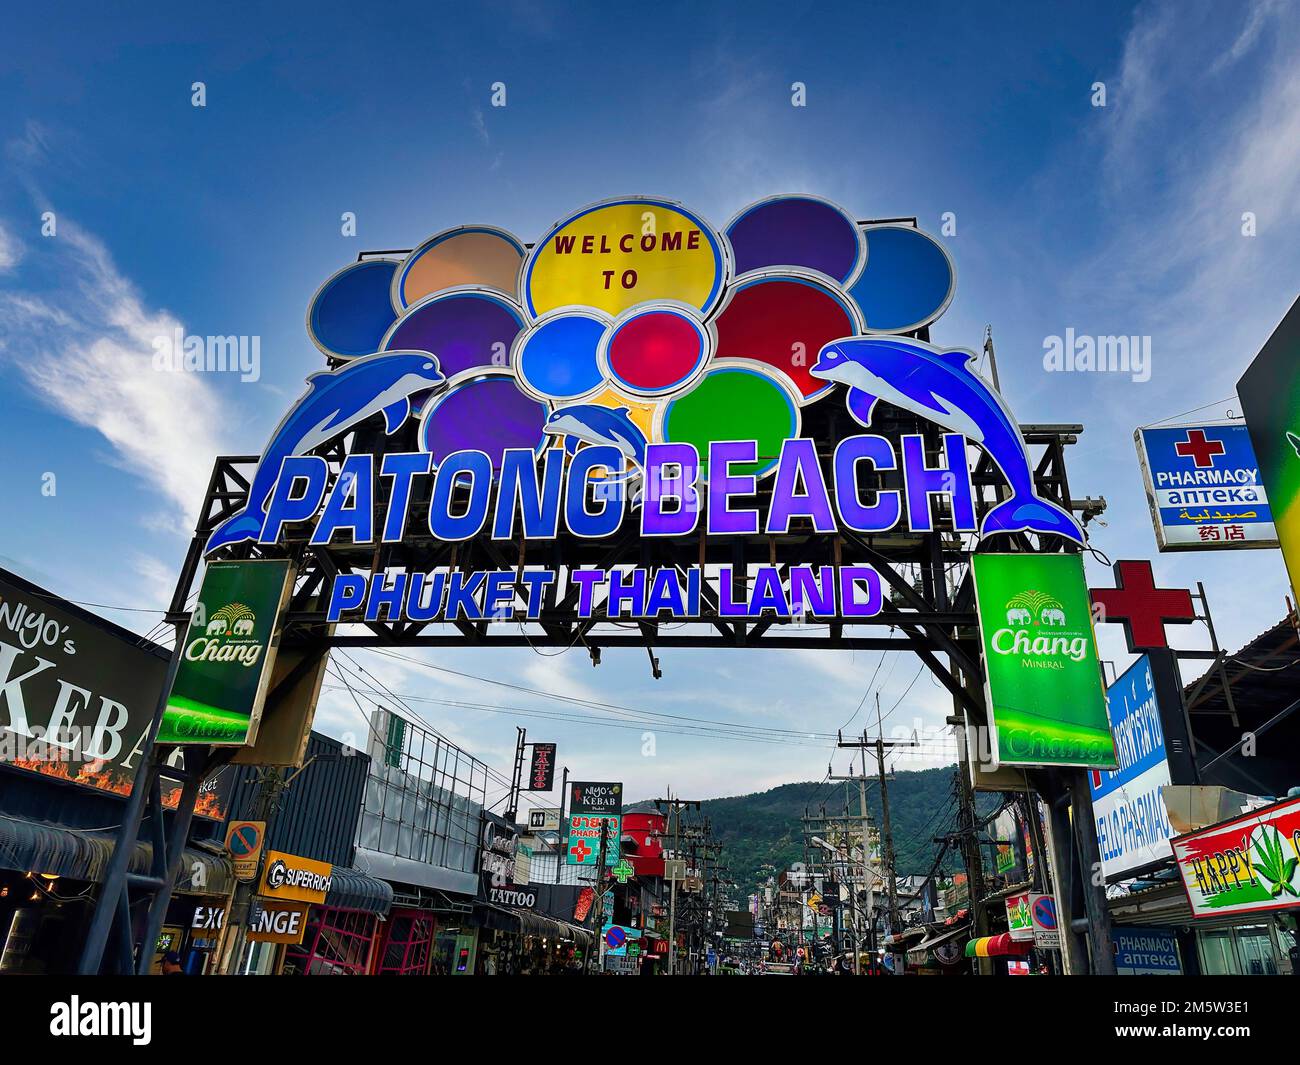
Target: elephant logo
[233,618]
[1032,607]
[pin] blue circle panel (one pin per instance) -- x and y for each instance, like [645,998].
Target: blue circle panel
[558,358]
[906,283]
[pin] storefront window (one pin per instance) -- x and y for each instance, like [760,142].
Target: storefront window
[336,943]
[407,942]
[1257,955]
[1248,950]
[1217,955]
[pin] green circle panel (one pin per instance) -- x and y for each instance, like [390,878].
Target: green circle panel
[734,403]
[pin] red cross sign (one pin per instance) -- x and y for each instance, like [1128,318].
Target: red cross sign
[1199,449]
[1143,609]
[580,850]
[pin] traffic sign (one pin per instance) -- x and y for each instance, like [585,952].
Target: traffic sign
[1042,909]
[244,841]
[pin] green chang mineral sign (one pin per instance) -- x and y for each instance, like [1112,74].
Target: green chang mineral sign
[1046,703]
[227,655]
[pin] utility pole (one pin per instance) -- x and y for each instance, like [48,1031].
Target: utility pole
[865,923]
[676,806]
[878,748]
[598,896]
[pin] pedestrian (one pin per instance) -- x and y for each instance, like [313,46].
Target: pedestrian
[171,964]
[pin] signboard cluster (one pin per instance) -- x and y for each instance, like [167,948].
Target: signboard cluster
[595,822]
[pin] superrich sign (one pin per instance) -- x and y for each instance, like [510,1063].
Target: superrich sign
[226,655]
[1270,399]
[637,368]
[1204,488]
[292,877]
[541,768]
[1133,829]
[77,693]
[1043,686]
[1247,865]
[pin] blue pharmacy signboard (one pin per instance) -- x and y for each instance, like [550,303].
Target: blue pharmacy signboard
[1146,952]
[1203,487]
[1133,827]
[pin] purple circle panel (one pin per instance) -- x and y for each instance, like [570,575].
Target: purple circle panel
[489,414]
[466,331]
[795,232]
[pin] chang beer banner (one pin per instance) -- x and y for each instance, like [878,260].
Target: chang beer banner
[1270,399]
[1044,692]
[227,655]
[1246,865]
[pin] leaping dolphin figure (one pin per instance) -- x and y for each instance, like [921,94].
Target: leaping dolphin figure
[940,386]
[333,403]
[593,424]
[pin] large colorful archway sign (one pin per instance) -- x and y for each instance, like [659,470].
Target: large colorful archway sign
[639,365]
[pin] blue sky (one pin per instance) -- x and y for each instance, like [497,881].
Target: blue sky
[1124,219]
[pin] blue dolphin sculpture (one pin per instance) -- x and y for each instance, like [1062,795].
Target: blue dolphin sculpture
[334,402]
[941,387]
[593,424]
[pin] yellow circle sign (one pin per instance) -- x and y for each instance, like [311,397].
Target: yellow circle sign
[623,252]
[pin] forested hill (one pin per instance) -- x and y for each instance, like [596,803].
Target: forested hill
[762,833]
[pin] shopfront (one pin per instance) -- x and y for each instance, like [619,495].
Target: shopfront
[514,943]
[69,750]
[49,877]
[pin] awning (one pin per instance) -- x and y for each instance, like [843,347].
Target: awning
[936,940]
[1002,946]
[40,847]
[353,890]
[528,923]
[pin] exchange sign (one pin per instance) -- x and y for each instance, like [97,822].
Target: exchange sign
[1250,864]
[1204,488]
[1044,692]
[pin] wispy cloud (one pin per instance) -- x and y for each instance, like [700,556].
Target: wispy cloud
[11,250]
[85,345]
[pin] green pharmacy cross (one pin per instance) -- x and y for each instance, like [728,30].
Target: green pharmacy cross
[623,872]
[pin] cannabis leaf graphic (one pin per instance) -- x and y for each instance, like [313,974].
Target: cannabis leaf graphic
[1268,856]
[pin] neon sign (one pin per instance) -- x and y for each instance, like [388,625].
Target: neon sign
[637,371]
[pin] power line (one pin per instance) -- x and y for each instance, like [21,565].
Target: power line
[603,706]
